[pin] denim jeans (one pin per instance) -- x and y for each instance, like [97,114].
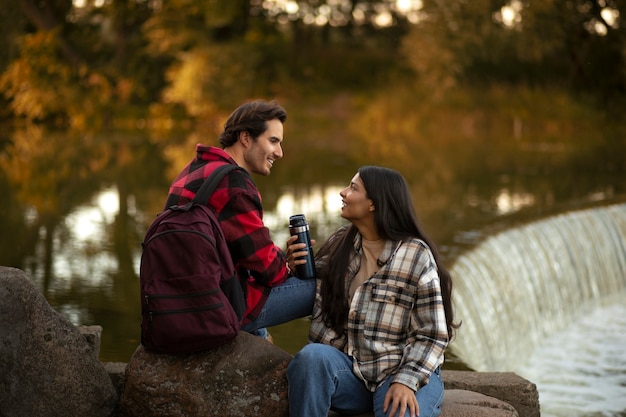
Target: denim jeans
[288,301]
[320,379]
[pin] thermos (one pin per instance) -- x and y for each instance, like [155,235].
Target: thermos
[299,226]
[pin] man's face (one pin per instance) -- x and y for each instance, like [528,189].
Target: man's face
[261,154]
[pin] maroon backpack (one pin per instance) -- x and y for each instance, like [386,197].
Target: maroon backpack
[192,299]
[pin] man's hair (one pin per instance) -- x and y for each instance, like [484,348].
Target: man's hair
[251,117]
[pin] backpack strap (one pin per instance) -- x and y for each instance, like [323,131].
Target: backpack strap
[211,182]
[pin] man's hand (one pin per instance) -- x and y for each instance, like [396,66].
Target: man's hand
[294,252]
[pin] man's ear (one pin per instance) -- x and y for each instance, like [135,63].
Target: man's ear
[245,138]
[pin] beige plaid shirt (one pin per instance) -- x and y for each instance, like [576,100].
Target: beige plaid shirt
[396,322]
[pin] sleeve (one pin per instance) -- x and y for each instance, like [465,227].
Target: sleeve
[249,240]
[428,333]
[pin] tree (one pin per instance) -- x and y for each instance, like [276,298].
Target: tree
[219,53]
[572,44]
[78,64]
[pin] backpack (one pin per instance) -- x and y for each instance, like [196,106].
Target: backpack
[192,299]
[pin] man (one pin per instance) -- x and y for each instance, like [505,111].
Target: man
[252,139]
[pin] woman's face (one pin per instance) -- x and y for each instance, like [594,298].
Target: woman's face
[356,206]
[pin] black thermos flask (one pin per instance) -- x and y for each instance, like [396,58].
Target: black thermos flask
[299,226]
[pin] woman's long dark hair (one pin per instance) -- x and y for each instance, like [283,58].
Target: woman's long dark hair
[395,220]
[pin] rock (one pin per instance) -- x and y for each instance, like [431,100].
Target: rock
[93,335]
[117,373]
[47,367]
[235,379]
[460,403]
[505,386]
[243,378]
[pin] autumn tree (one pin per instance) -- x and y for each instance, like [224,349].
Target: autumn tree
[77,65]
[576,45]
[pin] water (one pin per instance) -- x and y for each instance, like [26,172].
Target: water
[581,370]
[577,362]
[74,220]
[548,301]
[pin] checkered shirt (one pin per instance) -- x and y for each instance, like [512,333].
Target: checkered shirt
[396,322]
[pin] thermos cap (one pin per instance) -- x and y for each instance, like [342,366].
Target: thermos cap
[297,220]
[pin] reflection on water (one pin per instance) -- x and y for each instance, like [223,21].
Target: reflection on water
[79,251]
[320,204]
[508,202]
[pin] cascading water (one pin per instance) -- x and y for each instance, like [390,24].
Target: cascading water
[525,286]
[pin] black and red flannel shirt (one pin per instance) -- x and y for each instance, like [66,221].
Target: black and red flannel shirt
[237,205]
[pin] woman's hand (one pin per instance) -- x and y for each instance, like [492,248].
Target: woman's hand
[400,397]
[295,252]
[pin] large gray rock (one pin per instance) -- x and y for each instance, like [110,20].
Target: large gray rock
[243,378]
[47,368]
[505,386]
[460,403]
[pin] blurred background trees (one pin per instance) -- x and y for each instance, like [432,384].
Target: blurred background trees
[575,45]
[105,63]
[118,64]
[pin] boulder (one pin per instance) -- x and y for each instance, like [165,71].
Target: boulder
[461,403]
[243,378]
[247,378]
[505,386]
[47,367]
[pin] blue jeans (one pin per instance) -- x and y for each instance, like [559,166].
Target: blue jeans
[320,379]
[288,301]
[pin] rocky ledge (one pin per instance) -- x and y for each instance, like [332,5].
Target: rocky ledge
[49,366]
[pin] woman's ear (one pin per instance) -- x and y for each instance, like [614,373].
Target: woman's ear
[372,207]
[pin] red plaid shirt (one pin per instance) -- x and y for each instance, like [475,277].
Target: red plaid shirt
[237,204]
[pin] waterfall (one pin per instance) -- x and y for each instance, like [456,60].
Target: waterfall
[523,284]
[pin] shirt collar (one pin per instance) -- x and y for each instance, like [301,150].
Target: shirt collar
[389,250]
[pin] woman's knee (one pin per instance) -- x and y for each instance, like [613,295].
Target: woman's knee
[309,355]
[302,361]
[312,358]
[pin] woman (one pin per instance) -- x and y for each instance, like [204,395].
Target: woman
[382,317]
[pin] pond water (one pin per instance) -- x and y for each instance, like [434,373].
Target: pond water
[75,212]
[581,370]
